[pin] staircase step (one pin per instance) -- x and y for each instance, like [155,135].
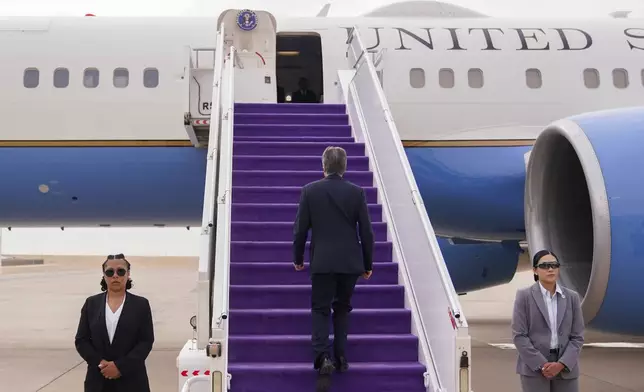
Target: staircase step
[290,108]
[283,231]
[293,349]
[290,377]
[277,149]
[293,178]
[294,149]
[292,130]
[291,119]
[250,251]
[282,194]
[292,139]
[299,297]
[258,273]
[286,162]
[281,212]
[298,321]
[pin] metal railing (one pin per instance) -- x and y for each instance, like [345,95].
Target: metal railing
[438,320]
[209,217]
[224,195]
[217,348]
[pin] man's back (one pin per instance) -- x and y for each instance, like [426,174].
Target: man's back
[334,209]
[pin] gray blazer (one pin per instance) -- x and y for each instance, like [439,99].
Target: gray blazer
[531,333]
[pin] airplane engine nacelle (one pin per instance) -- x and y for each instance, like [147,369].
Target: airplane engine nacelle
[584,201]
[474,265]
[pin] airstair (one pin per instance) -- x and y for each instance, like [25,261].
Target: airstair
[252,329]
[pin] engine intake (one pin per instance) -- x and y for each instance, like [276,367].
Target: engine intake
[584,201]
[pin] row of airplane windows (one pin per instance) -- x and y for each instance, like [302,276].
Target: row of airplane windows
[91,77]
[533,78]
[446,79]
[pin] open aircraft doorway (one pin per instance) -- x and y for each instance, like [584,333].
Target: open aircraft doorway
[299,56]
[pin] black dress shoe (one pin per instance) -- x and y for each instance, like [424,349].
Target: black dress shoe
[326,368]
[341,364]
[323,383]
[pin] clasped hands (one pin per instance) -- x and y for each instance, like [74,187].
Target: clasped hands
[551,369]
[109,370]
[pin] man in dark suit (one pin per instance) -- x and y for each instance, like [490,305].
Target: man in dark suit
[304,95]
[115,333]
[332,208]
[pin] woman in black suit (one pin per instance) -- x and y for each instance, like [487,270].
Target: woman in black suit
[115,333]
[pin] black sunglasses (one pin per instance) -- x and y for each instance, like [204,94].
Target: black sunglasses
[545,266]
[110,272]
[119,256]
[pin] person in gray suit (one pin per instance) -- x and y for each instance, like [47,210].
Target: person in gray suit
[548,330]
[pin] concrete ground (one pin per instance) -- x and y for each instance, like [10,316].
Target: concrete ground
[40,306]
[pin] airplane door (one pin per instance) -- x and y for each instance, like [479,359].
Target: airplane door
[253,34]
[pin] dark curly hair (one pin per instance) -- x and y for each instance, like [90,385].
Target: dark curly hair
[538,256]
[119,256]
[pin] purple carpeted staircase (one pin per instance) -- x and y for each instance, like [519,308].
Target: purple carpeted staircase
[277,149]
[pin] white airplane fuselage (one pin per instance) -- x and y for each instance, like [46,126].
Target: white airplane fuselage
[86,139]
[504,108]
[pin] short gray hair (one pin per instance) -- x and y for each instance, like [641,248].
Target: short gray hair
[334,160]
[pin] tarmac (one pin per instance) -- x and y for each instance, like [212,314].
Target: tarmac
[40,306]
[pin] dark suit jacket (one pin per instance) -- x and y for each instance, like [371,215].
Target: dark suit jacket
[307,97]
[130,347]
[333,208]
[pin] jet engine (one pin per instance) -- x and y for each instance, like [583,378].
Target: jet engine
[475,265]
[584,200]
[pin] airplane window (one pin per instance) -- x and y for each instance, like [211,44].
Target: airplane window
[446,78]
[475,78]
[591,78]
[620,78]
[31,78]
[151,77]
[533,78]
[417,77]
[121,77]
[61,77]
[90,79]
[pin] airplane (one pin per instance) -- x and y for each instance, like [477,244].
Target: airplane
[93,131]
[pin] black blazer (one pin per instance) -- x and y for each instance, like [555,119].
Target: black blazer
[130,347]
[333,208]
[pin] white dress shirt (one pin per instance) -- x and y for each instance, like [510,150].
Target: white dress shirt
[551,305]
[112,318]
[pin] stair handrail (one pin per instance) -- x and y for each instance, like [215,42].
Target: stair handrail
[224,194]
[217,348]
[209,216]
[432,376]
[445,377]
[418,201]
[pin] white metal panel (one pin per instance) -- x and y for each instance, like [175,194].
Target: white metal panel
[192,360]
[440,324]
[256,50]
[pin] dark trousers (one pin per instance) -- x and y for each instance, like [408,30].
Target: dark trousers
[330,290]
[110,386]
